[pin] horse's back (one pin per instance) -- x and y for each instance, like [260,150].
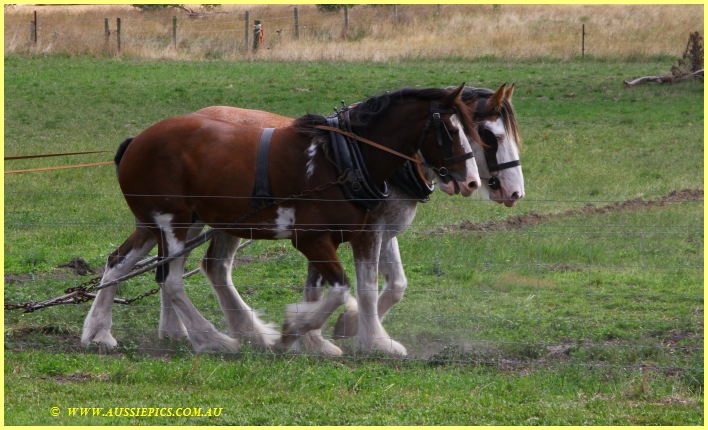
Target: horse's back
[255,118]
[177,152]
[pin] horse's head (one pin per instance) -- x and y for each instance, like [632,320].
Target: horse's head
[432,123]
[497,153]
[447,146]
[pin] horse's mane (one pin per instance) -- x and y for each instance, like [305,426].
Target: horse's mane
[305,125]
[511,126]
[366,113]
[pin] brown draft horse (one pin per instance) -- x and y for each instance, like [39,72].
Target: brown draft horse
[390,218]
[188,171]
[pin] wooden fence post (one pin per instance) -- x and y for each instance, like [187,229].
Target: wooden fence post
[33,29]
[346,20]
[248,27]
[395,12]
[33,32]
[174,31]
[106,31]
[118,32]
[583,51]
[297,24]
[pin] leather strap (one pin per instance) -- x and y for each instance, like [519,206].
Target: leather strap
[367,141]
[503,166]
[262,191]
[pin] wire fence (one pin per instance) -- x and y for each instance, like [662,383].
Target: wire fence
[594,290]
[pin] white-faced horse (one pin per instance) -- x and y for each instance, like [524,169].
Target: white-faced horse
[391,217]
[504,184]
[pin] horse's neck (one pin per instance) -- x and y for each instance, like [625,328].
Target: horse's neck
[401,139]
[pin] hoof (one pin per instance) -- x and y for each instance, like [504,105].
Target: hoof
[388,346]
[347,324]
[102,337]
[172,334]
[265,336]
[289,335]
[218,342]
[313,343]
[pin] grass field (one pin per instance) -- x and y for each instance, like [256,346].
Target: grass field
[548,313]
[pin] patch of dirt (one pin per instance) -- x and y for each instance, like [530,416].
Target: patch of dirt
[532,218]
[80,267]
[78,377]
[19,279]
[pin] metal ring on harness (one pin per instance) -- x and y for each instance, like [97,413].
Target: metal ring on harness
[494,183]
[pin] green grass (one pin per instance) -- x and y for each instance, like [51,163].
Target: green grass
[550,323]
[257,390]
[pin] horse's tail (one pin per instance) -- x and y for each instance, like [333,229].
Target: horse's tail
[121,150]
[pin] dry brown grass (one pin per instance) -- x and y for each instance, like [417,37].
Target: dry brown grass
[421,31]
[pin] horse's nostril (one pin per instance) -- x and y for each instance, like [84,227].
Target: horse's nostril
[472,184]
[515,195]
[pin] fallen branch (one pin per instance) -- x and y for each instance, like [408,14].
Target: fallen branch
[670,79]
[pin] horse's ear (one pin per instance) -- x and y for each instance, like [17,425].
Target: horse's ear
[509,92]
[495,101]
[450,99]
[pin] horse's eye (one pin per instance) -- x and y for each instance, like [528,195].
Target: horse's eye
[500,138]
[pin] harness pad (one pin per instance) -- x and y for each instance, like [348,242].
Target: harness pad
[359,187]
[262,191]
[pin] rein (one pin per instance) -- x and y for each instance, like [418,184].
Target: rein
[444,141]
[415,159]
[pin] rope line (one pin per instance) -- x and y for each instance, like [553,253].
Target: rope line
[22,157]
[73,166]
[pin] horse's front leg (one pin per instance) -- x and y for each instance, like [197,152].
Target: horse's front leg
[242,321]
[313,342]
[98,322]
[371,334]
[391,268]
[303,317]
[395,283]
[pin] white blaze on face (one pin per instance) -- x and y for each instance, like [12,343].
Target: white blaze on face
[284,222]
[512,179]
[472,177]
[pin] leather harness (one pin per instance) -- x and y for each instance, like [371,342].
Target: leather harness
[359,187]
[262,192]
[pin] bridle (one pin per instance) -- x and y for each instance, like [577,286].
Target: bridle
[444,139]
[490,152]
[442,134]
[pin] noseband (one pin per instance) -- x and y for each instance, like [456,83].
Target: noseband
[490,152]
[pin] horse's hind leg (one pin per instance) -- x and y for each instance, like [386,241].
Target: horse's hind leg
[98,322]
[170,324]
[313,341]
[171,240]
[303,317]
[217,266]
